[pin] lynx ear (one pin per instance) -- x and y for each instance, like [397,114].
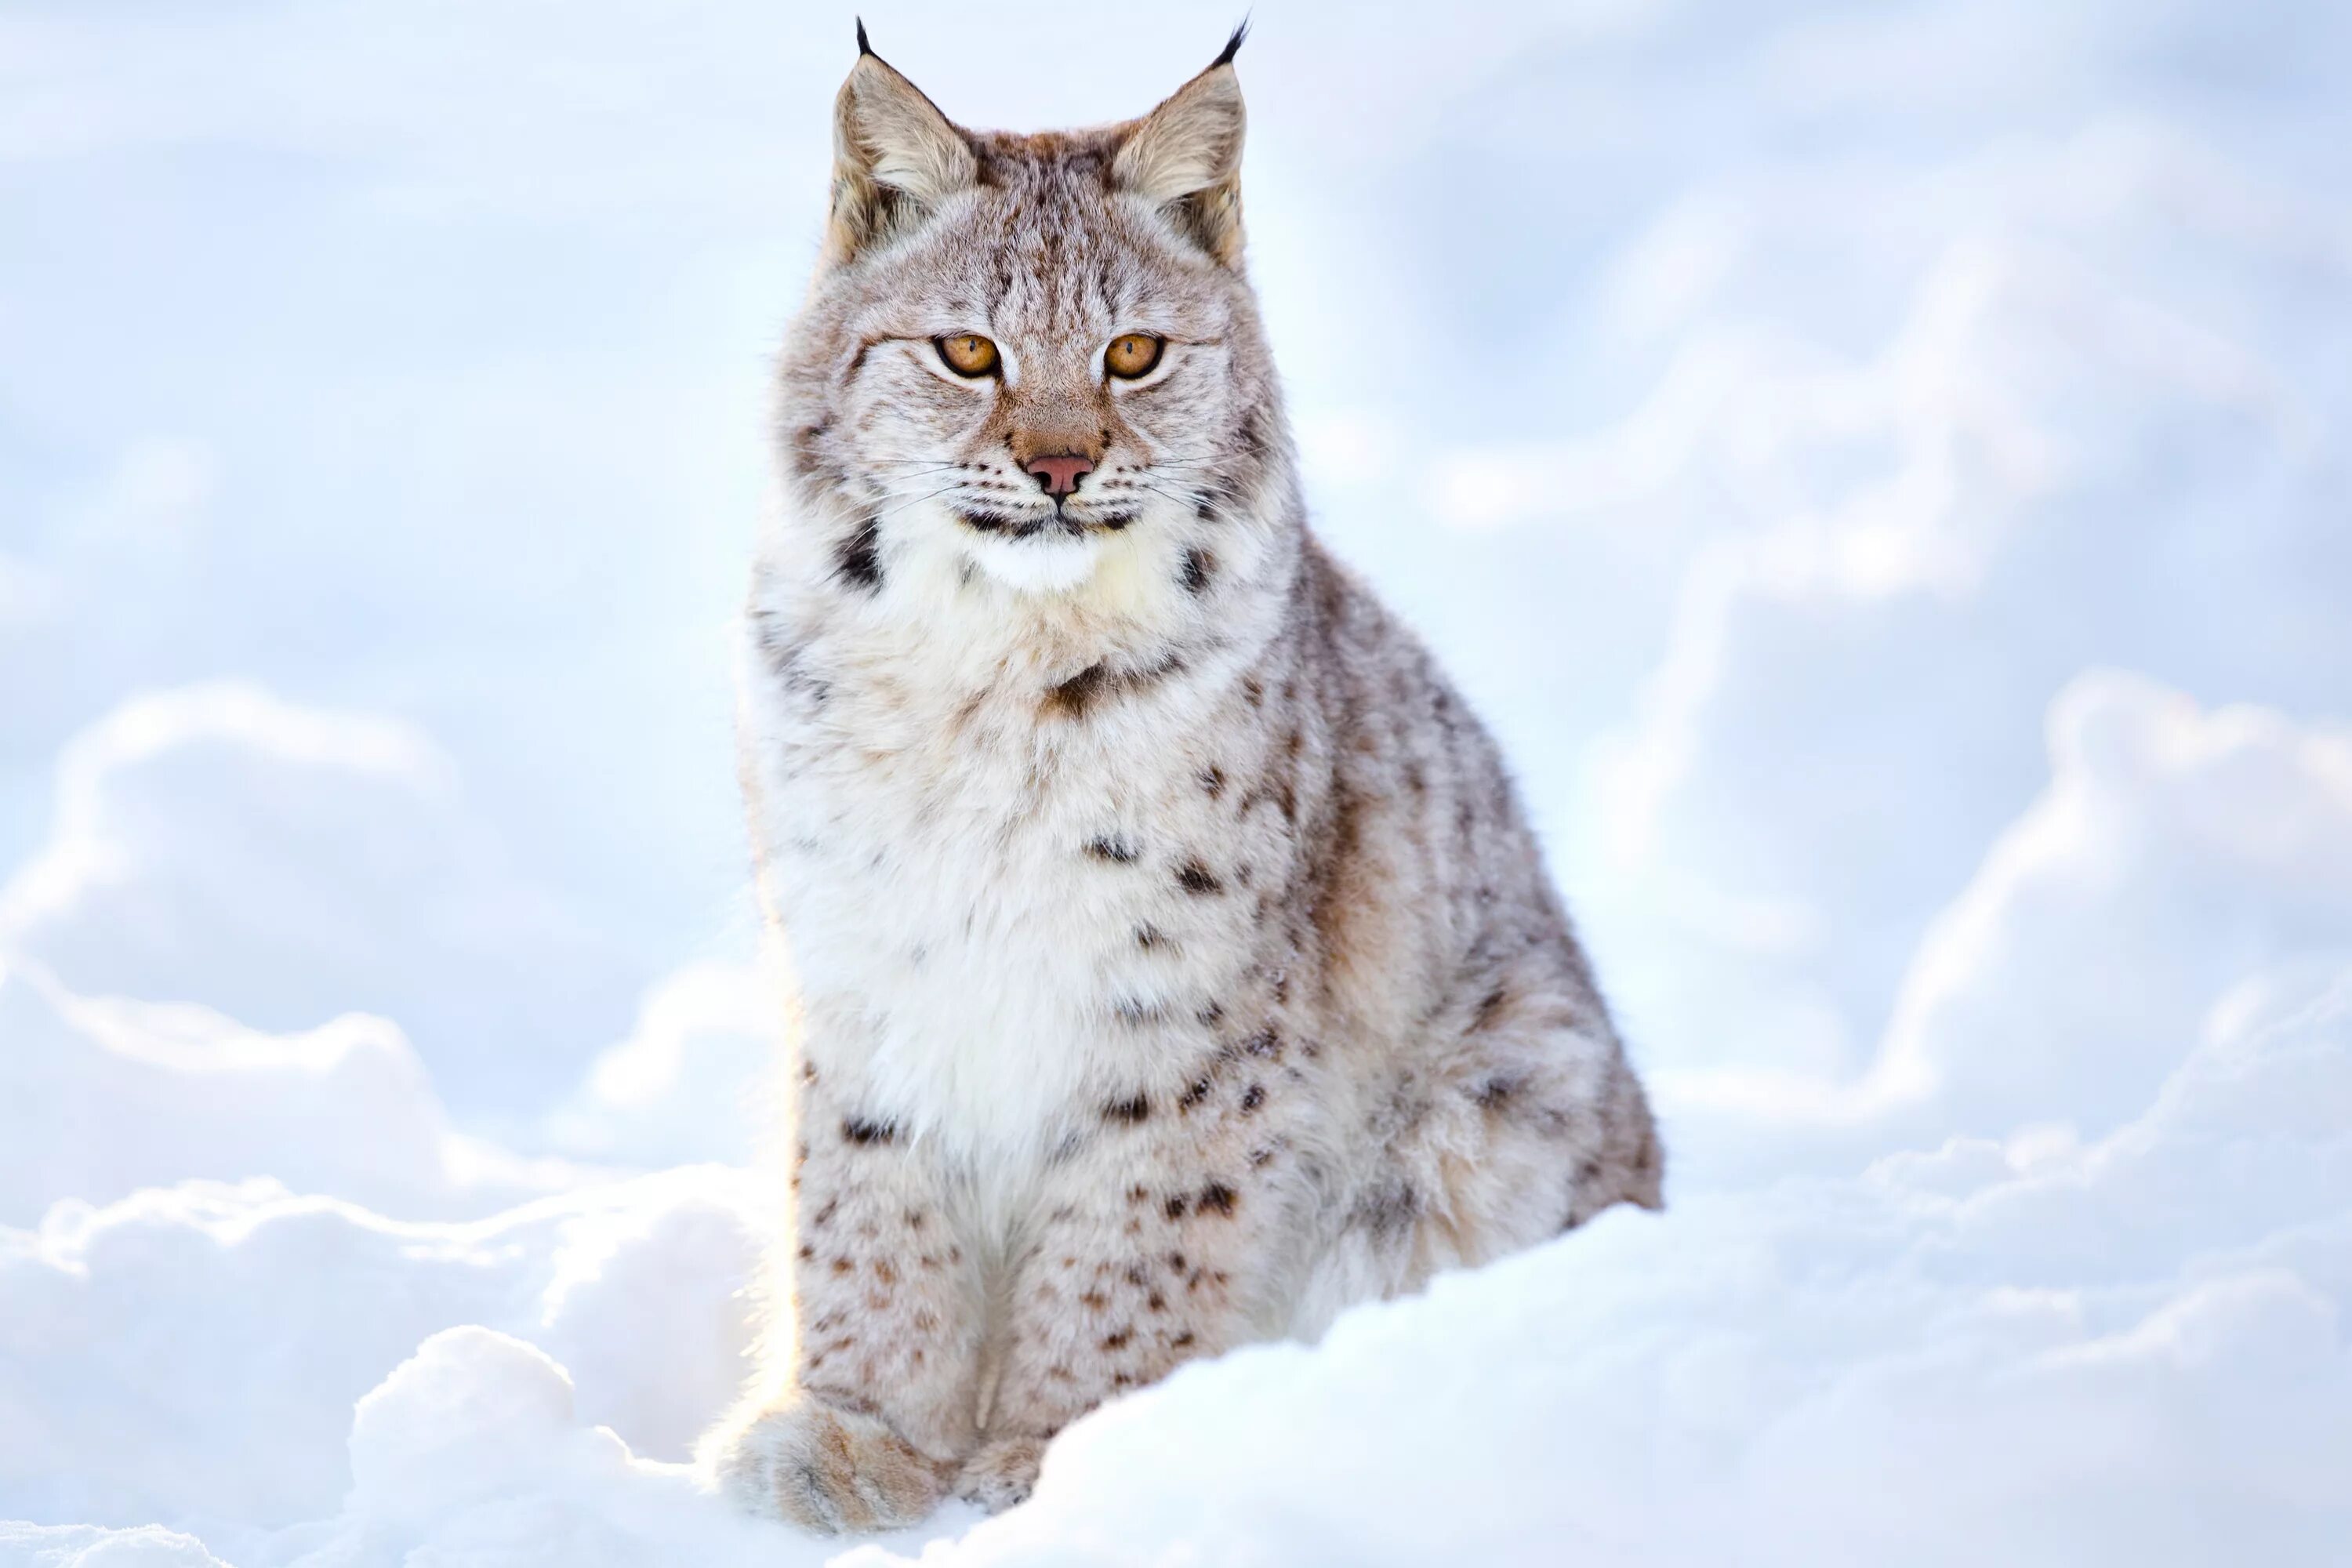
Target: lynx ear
[895,157]
[1185,157]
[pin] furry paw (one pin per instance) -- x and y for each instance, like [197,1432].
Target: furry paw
[829,1470]
[1001,1473]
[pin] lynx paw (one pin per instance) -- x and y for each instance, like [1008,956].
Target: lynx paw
[829,1470]
[1001,1473]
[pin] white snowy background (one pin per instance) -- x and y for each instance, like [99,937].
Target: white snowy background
[1882,468]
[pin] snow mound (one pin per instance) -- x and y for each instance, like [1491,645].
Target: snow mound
[89,1546]
[2174,851]
[472,1415]
[689,1083]
[288,865]
[107,1097]
[224,1411]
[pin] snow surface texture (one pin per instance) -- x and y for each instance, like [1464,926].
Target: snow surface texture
[1881,470]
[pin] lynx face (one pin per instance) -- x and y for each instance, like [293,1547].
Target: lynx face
[1021,346]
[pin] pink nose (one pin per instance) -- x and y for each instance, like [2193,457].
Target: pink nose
[1059,476]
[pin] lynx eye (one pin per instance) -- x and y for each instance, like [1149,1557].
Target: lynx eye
[967,354]
[1133,355]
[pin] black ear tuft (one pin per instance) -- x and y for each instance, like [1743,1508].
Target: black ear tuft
[865,48]
[1232,46]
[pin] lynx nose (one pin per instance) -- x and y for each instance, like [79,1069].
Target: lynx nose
[1059,476]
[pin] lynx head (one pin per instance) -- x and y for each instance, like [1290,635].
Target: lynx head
[1024,352]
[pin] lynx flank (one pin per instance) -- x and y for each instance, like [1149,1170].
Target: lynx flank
[1173,965]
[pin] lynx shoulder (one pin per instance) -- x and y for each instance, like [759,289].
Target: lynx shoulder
[1173,965]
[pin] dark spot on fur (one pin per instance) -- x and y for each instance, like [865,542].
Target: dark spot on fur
[1180,1341]
[1197,880]
[1175,1207]
[1093,1300]
[1200,566]
[808,441]
[1390,1213]
[1252,1097]
[1267,1042]
[1116,1342]
[1253,689]
[1192,1096]
[1260,1157]
[1076,697]
[1219,1197]
[1212,782]
[1128,1110]
[861,1132]
[1150,937]
[1139,1275]
[1073,697]
[1210,1015]
[1494,1093]
[1115,849]
[842,1265]
[824,1216]
[1255,438]
[1491,1008]
[857,560]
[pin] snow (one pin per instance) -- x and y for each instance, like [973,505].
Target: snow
[216,843]
[1880,469]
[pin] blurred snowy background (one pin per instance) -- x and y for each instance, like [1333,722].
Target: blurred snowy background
[1882,468]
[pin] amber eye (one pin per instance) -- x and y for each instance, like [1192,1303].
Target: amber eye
[967,354]
[1133,355]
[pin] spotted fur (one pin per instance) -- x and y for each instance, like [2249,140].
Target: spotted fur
[1173,964]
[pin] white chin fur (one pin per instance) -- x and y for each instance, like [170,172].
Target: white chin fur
[1050,564]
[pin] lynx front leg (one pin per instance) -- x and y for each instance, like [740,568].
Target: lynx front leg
[868,1403]
[1141,1259]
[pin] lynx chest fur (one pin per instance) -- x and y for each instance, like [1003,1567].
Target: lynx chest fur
[1172,964]
[1071,853]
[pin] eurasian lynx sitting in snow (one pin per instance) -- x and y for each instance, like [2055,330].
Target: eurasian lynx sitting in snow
[1174,965]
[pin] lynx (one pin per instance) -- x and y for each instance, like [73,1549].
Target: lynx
[1173,964]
